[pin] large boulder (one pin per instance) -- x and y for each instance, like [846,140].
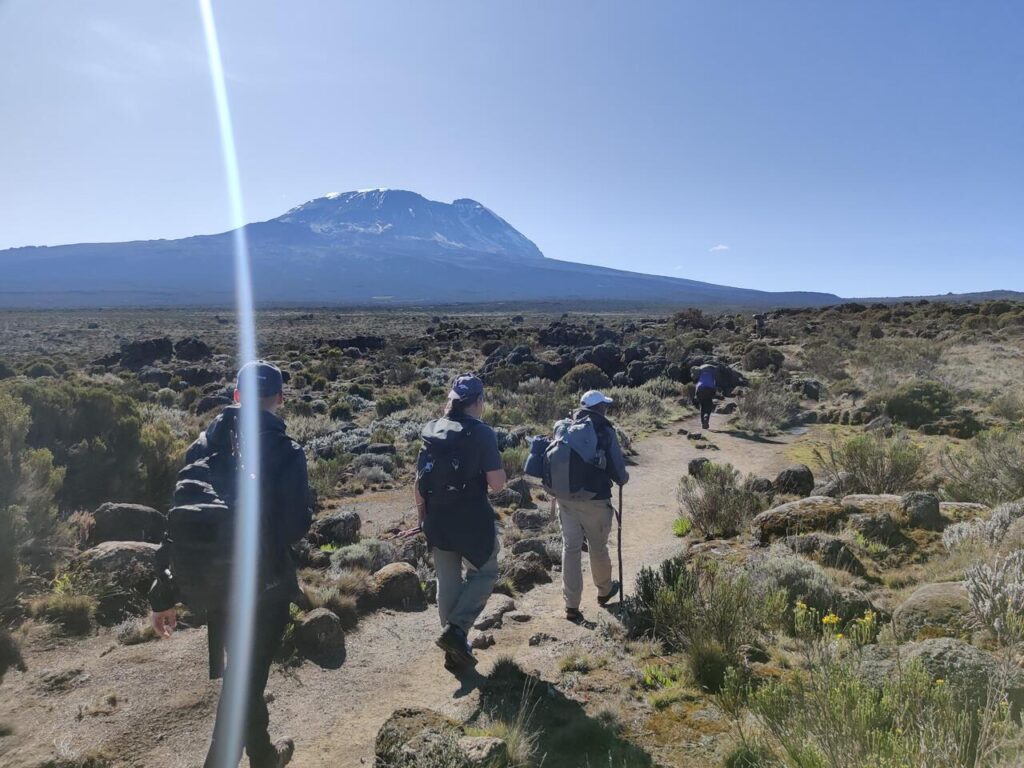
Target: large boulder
[966,668]
[497,606]
[797,480]
[336,528]
[879,527]
[921,510]
[126,522]
[827,550]
[320,636]
[192,349]
[548,547]
[870,503]
[122,572]
[525,571]
[398,586]
[197,375]
[411,737]
[532,519]
[815,513]
[934,610]
[143,352]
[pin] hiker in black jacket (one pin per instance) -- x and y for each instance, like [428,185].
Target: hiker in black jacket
[458,464]
[285,515]
[592,518]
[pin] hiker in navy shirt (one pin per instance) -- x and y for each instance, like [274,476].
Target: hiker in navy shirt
[458,464]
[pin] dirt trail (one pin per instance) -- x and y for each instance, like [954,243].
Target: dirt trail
[166,706]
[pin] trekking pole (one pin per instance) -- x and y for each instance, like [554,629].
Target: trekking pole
[622,578]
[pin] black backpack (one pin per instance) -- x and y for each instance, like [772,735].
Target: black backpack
[201,529]
[443,473]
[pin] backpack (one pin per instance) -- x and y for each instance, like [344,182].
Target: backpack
[442,467]
[571,458]
[201,529]
[707,379]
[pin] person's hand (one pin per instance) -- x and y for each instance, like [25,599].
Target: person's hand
[165,622]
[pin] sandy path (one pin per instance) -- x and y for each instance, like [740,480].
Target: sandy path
[166,706]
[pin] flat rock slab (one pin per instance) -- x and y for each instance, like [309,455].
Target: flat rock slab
[815,513]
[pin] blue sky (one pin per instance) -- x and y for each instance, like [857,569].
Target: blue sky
[868,148]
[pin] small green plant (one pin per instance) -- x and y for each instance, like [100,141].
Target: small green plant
[655,676]
[389,404]
[580,662]
[681,526]
[73,613]
[767,407]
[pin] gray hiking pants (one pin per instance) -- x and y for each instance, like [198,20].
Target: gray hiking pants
[592,519]
[460,599]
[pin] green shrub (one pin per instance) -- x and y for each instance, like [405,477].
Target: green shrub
[709,664]
[361,390]
[873,463]
[513,459]
[989,469]
[831,715]
[751,756]
[919,403]
[390,404]
[326,475]
[6,371]
[681,526]
[759,357]
[369,555]
[801,582]
[766,407]
[340,411]
[716,502]
[584,377]
[99,437]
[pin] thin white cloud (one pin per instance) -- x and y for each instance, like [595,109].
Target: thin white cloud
[719,247]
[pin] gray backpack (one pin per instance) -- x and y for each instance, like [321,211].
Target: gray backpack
[572,456]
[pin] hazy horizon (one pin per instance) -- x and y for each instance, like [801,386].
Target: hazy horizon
[861,151]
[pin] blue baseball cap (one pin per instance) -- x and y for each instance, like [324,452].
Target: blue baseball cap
[466,387]
[269,380]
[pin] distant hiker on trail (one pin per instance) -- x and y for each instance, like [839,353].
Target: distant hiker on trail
[759,325]
[582,461]
[458,463]
[194,561]
[704,395]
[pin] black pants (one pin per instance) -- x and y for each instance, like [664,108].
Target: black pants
[271,620]
[706,401]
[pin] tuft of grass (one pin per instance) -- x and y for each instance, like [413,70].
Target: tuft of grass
[73,613]
[580,662]
[135,632]
[681,526]
[709,664]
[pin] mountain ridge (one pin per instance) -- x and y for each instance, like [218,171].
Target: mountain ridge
[357,248]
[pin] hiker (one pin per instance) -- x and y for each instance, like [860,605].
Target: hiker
[581,463]
[704,394]
[458,463]
[759,325]
[194,562]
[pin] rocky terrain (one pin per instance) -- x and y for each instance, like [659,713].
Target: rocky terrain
[831,575]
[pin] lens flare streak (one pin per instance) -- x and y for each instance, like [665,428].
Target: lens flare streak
[243,590]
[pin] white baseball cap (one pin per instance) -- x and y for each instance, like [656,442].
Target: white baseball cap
[595,397]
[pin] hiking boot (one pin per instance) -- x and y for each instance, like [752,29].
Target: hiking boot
[454,643]
[574,615]
[615,588]
[285,749]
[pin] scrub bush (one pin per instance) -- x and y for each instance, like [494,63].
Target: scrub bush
[584,377]
[759,357]
[390,404]
[766,407]
[873,463]
[716,502]
[989,469]
[919,403]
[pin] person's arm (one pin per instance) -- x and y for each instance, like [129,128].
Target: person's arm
[297,512]
[421,504]
[493,467]
[616,461]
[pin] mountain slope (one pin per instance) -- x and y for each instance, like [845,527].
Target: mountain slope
[349,248]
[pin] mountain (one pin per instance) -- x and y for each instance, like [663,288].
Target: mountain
[366,247]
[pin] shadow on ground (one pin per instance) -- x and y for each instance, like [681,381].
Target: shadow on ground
[566,735]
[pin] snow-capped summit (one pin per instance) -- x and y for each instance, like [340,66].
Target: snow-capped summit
[403,221]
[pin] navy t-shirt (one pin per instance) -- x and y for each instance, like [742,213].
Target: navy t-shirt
[468,527]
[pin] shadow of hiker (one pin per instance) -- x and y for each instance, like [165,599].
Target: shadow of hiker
[754,438]
[566,735]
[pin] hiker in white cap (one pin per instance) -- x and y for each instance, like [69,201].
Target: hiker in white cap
[584,459]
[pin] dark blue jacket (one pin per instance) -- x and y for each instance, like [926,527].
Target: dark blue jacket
[286,502]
